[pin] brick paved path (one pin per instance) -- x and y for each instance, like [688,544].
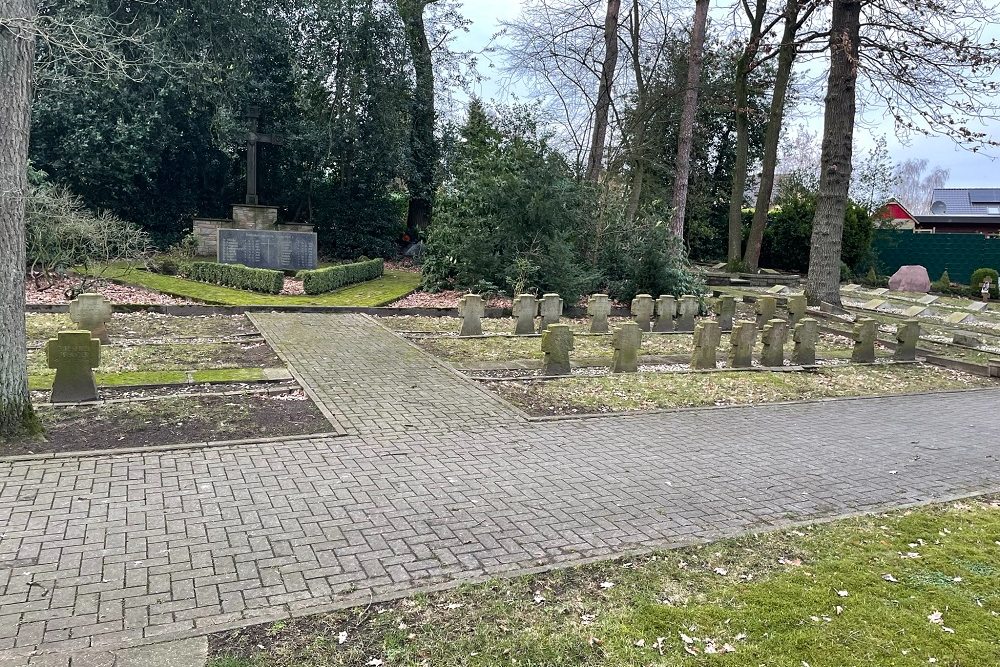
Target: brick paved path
[105,550]
[373,381]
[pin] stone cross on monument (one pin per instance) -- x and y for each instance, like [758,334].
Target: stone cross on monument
[254,138]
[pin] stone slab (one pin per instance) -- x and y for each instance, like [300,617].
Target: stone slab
[262,249]
[960,318]
[874,304]
[917,311]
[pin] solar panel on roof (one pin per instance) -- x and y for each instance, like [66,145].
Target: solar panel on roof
[985,196]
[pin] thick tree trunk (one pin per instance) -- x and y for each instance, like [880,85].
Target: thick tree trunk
[685,131]
[786,58]
[637,158]
[595,162]
[17,57]
[742,98]
[423,145]
[823,283]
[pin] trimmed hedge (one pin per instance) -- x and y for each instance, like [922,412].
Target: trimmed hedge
[237,276]
[335,277]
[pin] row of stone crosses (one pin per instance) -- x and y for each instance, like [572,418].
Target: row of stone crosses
[679,315]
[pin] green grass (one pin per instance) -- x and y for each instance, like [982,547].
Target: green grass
[816,596]
[648,391]
[392,286]
[43,381]
[170,357]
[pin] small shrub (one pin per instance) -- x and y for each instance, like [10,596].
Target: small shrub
[846,275]
[168,265]
[320,281]
[237,276]
[976,282]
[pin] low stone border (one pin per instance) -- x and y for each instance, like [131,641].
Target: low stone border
[691,371]
[273,391]
[180,340]
[166,448]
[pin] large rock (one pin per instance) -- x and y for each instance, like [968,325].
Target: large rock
[910,279]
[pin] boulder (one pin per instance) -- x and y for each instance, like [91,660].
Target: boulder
[910,279]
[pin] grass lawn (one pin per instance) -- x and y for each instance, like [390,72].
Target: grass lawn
[648,391]
[144,326]
[390,287]
[43,381]
[906,589]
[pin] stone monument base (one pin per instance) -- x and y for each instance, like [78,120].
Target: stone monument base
[245,216]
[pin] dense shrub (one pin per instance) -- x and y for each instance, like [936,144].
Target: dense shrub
[237,276]
[515,216]
[334,277]
[976,282]
[788,235]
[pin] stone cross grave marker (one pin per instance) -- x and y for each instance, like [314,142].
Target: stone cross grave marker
[557,341]
[92,312]
[774,335]
[796,308]
[642,310]
[706,342]
[74,355]
[687,310]
[865,330]
[907,336]
[627,341]
[254,138]
[599,308]
[525,309]
[472,309]
[551,311]
[666,310]
[805,335]
[765,308]
[725,311]
[741,343]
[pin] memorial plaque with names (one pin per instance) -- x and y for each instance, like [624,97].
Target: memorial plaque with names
[281,251]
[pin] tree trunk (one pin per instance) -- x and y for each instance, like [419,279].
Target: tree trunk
[685,132]
[823,282]
[742,98]
[17,58]
[786,58]
[595,161]
[637,158]
[423,145]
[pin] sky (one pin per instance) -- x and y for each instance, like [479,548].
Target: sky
[967,169]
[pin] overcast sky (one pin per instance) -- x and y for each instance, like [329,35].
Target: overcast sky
[967,169]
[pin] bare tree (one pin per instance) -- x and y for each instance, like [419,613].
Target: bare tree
[796,14]
[423,145]
[595,161]
[823,282]
[17,59]
[915,184]
[685,133]
[931,66]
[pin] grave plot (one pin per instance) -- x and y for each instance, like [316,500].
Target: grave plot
[674,371]
[166,380]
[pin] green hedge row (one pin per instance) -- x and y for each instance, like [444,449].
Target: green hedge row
[335,277]
[237,276]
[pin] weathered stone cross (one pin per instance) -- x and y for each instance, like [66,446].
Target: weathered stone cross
[254,138]
[74,355]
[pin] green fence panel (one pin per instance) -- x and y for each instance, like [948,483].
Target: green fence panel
[960,254]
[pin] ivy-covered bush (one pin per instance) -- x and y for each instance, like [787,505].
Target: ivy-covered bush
[319,281]
[237,276]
